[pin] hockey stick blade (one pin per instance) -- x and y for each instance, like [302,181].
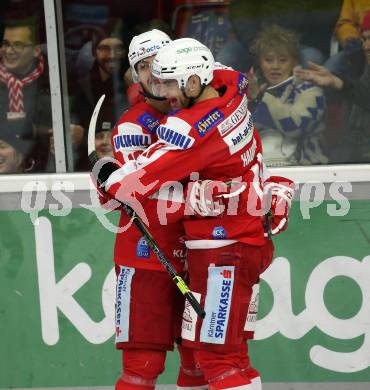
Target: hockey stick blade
[177,279]
[92,129]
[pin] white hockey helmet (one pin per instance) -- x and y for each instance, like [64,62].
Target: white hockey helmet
[183,58]
[145,45]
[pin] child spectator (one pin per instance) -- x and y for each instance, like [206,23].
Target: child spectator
[103,139]
[288,113]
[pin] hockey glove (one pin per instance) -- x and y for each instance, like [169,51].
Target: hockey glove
[209,198]
[278,193]
[100,174]
[102,170]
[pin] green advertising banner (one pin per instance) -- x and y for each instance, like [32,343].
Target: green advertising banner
[57,301]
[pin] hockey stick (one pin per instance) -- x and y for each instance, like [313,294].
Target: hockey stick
[110,167]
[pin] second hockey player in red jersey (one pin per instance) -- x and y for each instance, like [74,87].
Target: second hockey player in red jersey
[148,305]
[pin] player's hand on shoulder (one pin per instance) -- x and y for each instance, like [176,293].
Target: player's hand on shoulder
[210,198]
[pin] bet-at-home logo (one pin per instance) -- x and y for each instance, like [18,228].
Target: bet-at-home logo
[59,295]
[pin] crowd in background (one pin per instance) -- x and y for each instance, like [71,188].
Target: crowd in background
[285,48]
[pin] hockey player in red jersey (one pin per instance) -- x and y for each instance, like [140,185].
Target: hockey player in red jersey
[211,132]
[148,305]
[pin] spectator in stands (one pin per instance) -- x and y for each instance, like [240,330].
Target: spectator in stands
[347,31]
[103,142]
[288,113]
[24,82]
[357,93]
[313,19]
[106,76]
[103,139]
[16,144]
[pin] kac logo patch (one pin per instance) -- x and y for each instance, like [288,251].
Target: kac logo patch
[219,233]
[142,248]
[208,122]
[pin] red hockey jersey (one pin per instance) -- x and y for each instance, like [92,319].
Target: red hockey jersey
[217,139]
[133,133]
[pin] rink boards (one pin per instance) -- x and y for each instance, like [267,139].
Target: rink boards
[57,294]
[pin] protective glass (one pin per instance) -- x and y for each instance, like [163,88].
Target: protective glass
[165,88]
[118,50]
[144,69]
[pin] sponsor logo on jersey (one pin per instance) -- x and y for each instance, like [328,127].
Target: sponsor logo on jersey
[217,305]
[123,296]
[179,253]
[186,317]
[189,319]
[250,323]
[172,137]
[143,249]
[248,156]
[149,122]
[242,134]
[208,122]
[235,118]
[242,84]
[122,141]
[219,233]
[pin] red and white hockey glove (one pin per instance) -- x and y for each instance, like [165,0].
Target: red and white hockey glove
[278,193]
[100,174]
[203,198]
[209,198]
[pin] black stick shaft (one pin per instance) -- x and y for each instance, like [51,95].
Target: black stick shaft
[178,280]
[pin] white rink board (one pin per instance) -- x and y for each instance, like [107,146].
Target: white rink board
[267,386]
